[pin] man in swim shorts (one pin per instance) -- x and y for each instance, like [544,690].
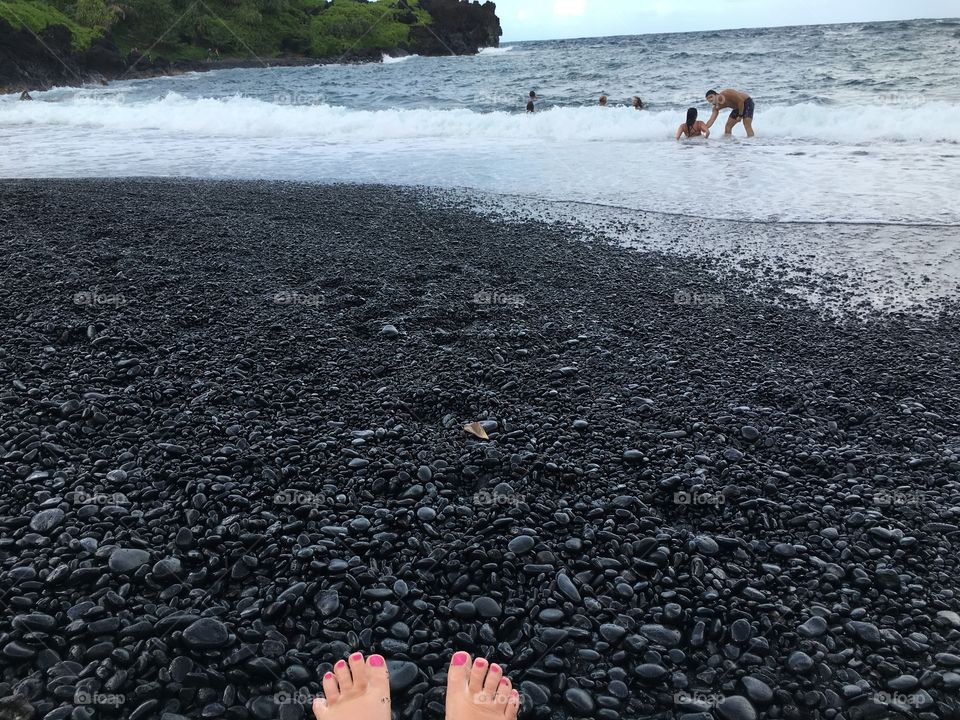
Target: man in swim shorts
[741,108]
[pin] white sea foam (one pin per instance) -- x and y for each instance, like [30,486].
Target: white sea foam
[390,60]
[249,117]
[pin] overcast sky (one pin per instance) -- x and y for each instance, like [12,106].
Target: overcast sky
[549,19]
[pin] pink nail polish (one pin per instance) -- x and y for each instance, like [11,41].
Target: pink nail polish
[460,658]
[495,668]
[480,662]
[357,656]
[376,661]
[504,681]
[340,664]
[328,676]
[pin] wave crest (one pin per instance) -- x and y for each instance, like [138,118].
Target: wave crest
[902,121]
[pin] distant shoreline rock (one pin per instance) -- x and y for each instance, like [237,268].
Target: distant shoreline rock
[40,61]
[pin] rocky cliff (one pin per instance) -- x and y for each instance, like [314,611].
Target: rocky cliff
[38,60]
[458,27]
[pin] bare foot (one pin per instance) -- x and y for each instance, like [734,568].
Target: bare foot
[479,691]
[356,690]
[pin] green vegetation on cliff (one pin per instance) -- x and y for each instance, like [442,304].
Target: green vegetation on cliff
[227,28]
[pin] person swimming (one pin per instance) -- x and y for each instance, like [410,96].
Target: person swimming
[636,102]
[603,101]
[693,127]
[25,95]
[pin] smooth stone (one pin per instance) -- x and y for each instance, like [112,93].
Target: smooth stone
[40,622]
[736,707]
[706,545]
[389,331]
[126,560]
[46,520]
[206,633]
[550,615]
[167,569]
[402,674]
[650,671]
[757,690]
[948,659]
[579,701]
[814,627]
[521,544]
[868,632]
[741,631]
[732,455]
[487,607]
[660,635]
[799,662]
[903,682]
[612,633]
[749,432]
[567,588]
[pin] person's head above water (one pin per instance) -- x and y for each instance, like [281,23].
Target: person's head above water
[691,119]
[603,99]
[533,94]
[637,102]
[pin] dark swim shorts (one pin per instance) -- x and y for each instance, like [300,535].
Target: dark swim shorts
[747,110]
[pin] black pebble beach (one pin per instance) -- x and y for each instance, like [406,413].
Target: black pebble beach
[232,451]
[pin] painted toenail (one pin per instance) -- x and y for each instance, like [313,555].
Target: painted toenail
[480,662]
[357,656]
[460,658]
[504,681]
[495,668]
[340,664]
[376,661]
[328,676]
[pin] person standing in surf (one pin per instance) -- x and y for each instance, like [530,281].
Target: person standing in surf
[740,105]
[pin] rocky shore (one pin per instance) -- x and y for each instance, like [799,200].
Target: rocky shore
[31,61]
[233,449]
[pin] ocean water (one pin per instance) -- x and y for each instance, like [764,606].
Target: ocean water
[857,123]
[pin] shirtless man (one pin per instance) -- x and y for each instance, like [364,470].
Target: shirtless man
[740,104]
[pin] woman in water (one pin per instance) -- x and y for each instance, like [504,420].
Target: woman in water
[693,127]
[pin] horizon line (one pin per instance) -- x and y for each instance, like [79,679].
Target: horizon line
[721,29]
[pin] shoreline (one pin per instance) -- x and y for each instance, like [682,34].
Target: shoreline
[173,68]
[753,506]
